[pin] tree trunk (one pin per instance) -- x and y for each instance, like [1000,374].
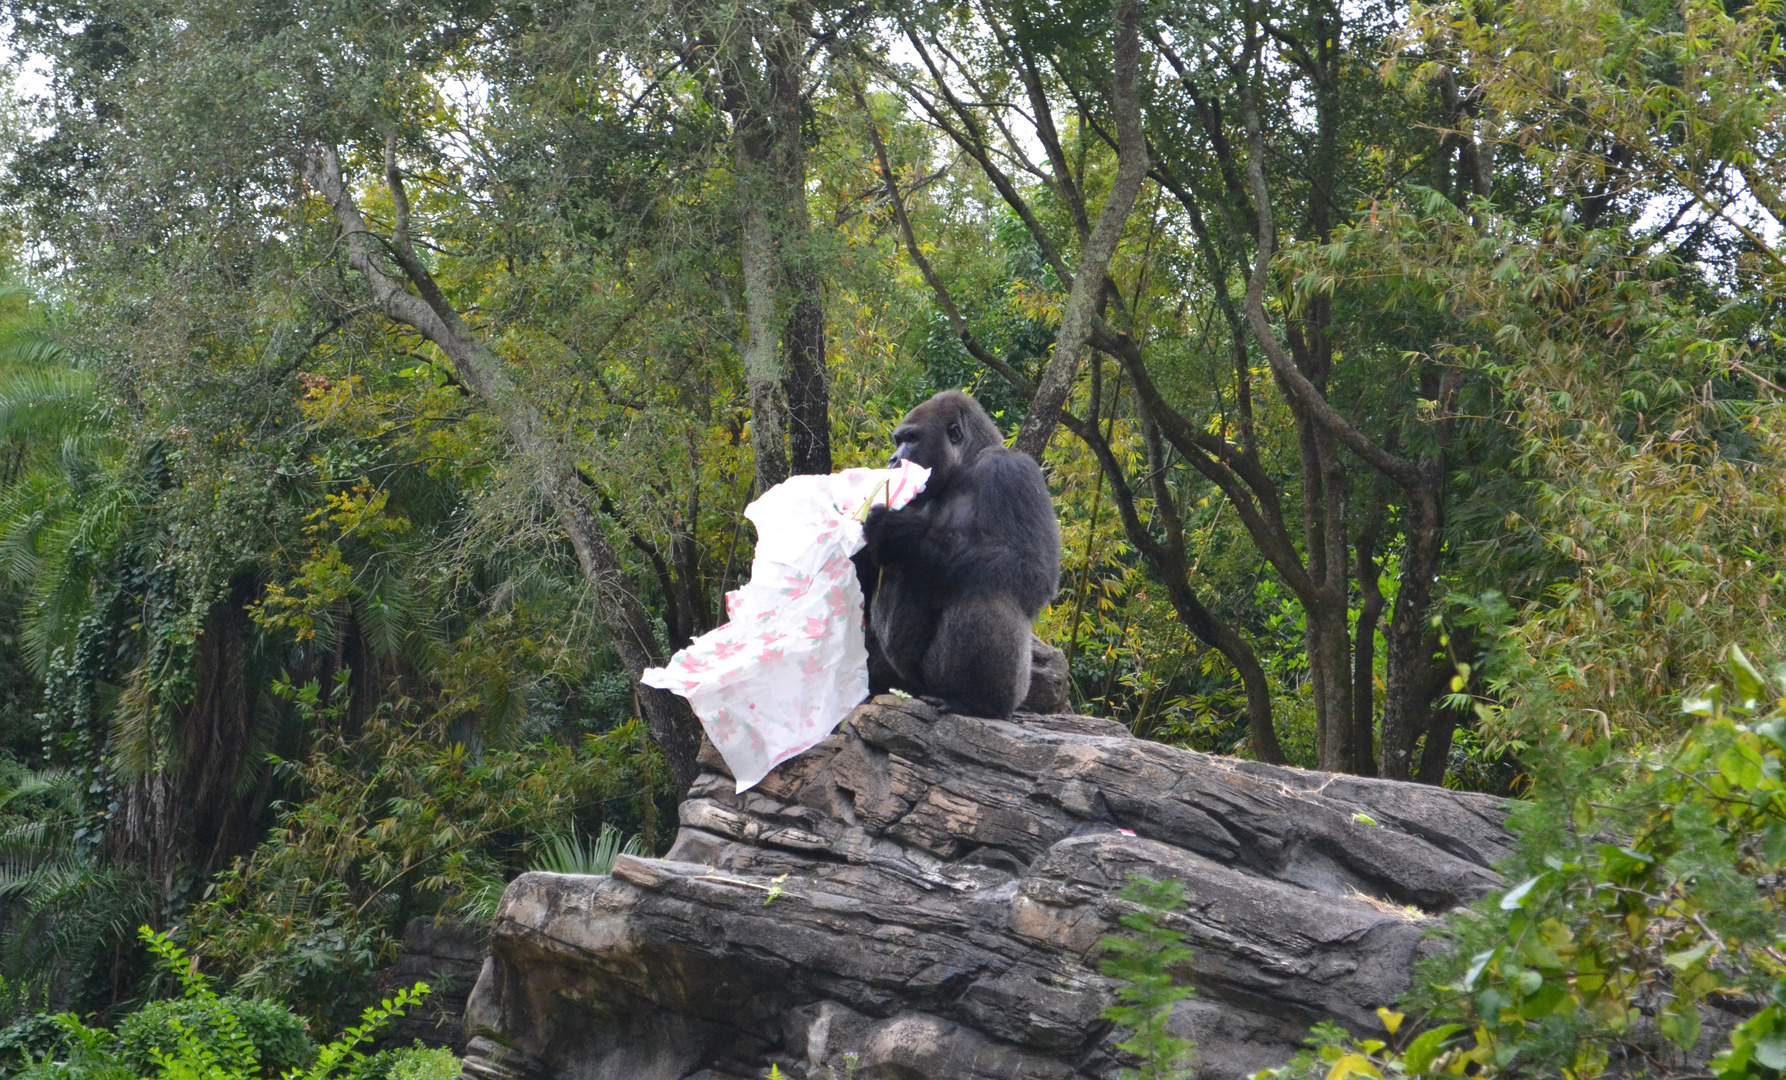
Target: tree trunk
[762,362]
[803,335]
[788,388]
[1437,755]
[807,385]
[1364,645]
[1408,656]
[1330,672]
[1094,257]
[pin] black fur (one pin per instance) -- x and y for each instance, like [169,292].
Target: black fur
[956,577]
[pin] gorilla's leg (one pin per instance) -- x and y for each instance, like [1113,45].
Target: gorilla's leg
[900,629]
[881,674]
[978,663]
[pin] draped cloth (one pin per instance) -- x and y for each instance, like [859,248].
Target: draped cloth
[791,662]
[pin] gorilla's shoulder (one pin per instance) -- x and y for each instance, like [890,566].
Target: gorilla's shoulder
[1009,487]
[1004,466]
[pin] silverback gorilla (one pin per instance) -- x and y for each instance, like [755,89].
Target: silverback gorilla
[955,577]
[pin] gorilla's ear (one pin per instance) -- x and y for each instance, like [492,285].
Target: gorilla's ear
[955,432]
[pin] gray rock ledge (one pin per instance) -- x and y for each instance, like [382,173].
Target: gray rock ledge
[943,882]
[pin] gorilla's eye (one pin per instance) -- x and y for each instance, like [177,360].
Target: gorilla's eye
[954,433]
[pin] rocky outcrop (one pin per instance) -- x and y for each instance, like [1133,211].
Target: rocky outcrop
[448,956]
[1047,679]
[927,893]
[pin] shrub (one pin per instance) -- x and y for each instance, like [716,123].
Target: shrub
[1646,897]
[83,1053]
[224,1051]
[27,1040]
[278,1036]
[420,1063]
[204,1036]
[1143,962]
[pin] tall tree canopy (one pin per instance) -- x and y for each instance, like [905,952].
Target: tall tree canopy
[381,388]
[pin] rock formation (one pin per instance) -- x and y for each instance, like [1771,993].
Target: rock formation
[448,957]
[927,892]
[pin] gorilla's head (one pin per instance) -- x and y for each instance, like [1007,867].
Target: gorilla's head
[945,435]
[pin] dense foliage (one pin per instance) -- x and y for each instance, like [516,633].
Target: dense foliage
[1643,934]
[381,388]
[202,1035]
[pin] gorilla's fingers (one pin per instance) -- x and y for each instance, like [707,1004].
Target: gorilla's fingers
[895,535]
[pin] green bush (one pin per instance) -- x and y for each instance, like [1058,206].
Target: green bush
[29,1039]
[279,1037]
[420,1063]
[1646,887]
[203,1036]
[83,1053]
[1143,960]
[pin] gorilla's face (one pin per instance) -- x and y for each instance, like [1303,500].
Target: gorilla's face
[944,435]
[927,441]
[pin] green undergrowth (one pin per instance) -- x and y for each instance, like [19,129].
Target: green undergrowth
[1145,960]
[204,1035]
[1641,934]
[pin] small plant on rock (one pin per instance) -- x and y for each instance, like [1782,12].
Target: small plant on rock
[1143,961]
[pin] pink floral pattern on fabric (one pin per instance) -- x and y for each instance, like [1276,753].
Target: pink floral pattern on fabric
[791,663]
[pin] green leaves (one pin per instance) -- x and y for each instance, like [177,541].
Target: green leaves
[1515,896]
[307,917]
[1143,961]
[1420,1054]
[1757,1048]
[1646,887]
[569,854]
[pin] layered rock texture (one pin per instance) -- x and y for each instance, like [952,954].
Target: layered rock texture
[448,956]
[926,892]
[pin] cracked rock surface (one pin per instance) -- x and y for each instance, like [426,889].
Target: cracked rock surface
[926,892]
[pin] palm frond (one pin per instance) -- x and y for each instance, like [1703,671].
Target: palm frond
[31,347]
[25,509]
[46,403]
[76,912]
[386,614]
[64,784]
[21,879]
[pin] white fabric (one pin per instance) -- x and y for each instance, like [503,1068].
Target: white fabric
[791,663]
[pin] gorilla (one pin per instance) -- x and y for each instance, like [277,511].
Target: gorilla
[955,577]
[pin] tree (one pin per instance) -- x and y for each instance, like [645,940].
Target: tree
[1220,93]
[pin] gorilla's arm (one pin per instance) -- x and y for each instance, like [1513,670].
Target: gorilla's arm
[999,535]
[992,532]
[892,536]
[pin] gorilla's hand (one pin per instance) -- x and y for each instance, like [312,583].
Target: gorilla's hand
[893,535]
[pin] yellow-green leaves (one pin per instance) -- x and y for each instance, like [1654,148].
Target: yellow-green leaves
[1647,894]
[1353,1065]
[1515,896]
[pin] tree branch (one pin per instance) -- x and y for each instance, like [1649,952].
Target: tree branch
[1095,256]
[673,726]
[1303,393]
[943,299]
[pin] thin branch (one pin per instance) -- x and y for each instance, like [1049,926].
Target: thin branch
[943,298]
[1303,392]
[1094,258]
